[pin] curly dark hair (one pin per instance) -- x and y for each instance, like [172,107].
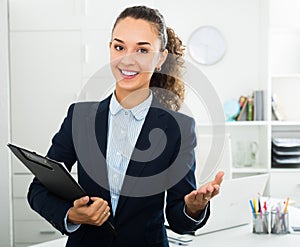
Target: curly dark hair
[169,77]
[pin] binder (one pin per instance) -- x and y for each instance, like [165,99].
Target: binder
[52,174]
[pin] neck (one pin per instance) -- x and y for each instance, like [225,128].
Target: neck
[131,99]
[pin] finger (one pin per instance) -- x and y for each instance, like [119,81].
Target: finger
[81,202]
[219,178]
[210,192]
[216,191]
[104,214]
[99,205]
[216,187]
[206,198]
[106,211]
[99,212]
[98,201]
[104,207]
[105,218]
[207,188]
[191,196]
[94,199]
[207,195]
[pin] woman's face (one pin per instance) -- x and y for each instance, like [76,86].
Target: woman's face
[134,54]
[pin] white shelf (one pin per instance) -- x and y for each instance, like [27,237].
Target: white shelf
[286,76]
[249,170]
[246,123]
[235,124]
[285,123]
[280,170]
[277,30]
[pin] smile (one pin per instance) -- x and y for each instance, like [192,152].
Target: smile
[128,74]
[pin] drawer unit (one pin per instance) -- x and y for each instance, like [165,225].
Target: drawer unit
[34,232]
[22,210]
[21,184]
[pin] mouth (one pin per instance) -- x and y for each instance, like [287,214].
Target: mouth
[128,74]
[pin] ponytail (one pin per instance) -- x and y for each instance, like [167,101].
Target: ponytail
[170,76]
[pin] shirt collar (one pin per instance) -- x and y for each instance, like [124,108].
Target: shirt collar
[114,105]
[139,112]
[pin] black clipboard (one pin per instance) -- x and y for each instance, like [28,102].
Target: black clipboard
[52,174]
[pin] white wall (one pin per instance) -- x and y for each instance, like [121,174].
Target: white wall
[5,178]
[238,73]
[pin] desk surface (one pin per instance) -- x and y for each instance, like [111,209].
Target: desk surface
[234,237]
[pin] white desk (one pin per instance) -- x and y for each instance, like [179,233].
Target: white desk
[234,237]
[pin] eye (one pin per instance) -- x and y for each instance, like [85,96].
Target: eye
[119,47]
[143,51]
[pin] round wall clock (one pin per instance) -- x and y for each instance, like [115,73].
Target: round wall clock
[207,45]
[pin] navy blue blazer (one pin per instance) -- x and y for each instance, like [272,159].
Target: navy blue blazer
[139,220]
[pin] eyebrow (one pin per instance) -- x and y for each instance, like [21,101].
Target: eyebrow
[138,43]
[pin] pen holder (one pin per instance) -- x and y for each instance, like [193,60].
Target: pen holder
[260,223]
[279,222]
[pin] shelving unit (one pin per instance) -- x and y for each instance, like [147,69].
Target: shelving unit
[285,83]
[282,71]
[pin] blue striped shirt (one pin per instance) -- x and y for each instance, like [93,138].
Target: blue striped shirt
[124,127]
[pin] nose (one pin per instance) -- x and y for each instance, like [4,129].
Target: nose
[128,59]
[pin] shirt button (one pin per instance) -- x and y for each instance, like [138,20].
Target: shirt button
[115,175]
[126,112]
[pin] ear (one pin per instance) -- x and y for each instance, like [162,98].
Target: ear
[162,58]
[109,44]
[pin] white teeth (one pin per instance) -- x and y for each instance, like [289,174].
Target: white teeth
[128,73]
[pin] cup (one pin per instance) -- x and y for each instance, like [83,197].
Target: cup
[260,223]
[279,222]
[245,153]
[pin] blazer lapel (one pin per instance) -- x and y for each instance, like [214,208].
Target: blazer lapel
[101,128]
[89,130]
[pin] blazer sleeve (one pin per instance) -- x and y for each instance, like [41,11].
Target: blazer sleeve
[178,221]
[49,206]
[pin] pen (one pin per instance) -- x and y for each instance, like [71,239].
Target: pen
[259,206]
[286,205]
[252,207]
[254,204]
[265,206]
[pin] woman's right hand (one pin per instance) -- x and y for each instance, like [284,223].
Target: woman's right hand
[94,214]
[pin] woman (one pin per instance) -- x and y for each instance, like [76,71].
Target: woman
[130,195]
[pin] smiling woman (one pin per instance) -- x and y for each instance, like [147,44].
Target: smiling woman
[132,140]
[153,47]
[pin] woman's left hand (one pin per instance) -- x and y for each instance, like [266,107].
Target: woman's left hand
[196,201]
